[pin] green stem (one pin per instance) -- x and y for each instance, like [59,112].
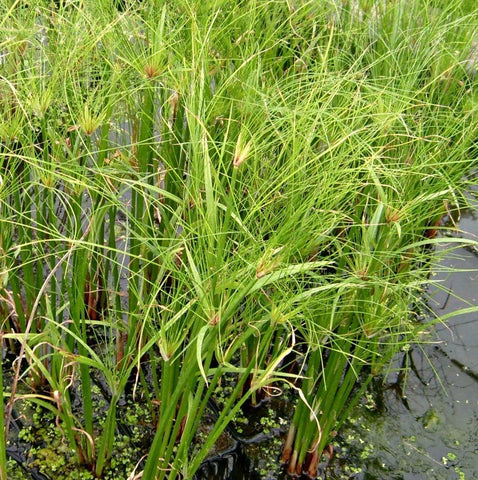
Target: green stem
[3,440]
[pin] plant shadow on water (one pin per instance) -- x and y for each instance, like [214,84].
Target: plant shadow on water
[232,466]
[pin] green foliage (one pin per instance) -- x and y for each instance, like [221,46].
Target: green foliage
[207,190]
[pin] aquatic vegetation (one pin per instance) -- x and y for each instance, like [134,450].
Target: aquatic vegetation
[221,193]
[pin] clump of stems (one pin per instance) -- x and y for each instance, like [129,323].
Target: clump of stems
[213,192]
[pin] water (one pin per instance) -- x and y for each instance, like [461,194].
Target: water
[428,431]
[432,433]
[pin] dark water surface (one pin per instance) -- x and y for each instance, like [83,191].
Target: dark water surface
[433,433]
[430,432]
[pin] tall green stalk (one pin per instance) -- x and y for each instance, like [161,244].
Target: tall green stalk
[3,440]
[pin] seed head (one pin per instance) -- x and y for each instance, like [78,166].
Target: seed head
[393,215]
[89,121]
[151,70]
[242,152]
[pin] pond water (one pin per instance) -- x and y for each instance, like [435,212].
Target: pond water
[433,433]
[429,430]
